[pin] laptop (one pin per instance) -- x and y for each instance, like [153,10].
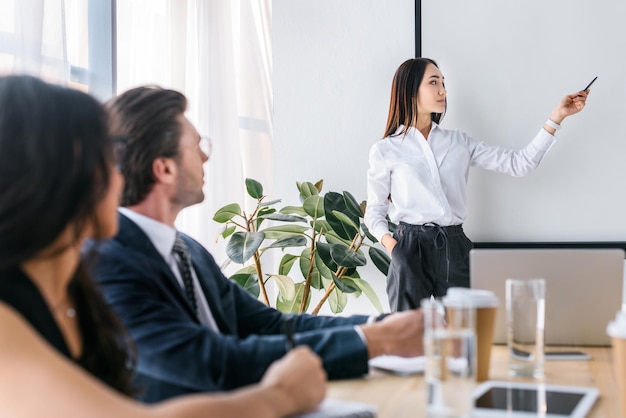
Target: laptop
[584,288]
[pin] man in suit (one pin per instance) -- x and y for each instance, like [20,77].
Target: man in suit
[195,330]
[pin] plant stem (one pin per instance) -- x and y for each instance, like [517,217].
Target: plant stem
[257,257]
[329,290]
[259,272]
[307,280]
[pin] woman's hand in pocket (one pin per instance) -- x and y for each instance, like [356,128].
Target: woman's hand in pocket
[388,242]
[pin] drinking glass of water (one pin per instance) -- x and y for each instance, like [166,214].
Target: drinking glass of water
[450,351]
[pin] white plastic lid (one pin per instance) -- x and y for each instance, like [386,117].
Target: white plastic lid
[477,298]
[617,328]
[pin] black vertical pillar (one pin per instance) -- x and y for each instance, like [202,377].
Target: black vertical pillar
[418,28]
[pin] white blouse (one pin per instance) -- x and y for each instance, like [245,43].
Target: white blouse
[418,181]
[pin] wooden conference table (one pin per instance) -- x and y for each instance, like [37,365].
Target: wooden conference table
[404,397]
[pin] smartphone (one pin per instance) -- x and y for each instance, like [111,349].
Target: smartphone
[566,355]
[520,354]
[554,355]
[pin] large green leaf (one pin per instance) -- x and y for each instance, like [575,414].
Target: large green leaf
[283,217]
[260,217]
[227,213]
[254,188]
[292,305]
[352,206]
[298,210]
[272,202]
[337,301]
[346,220]
[305,263]
[380,259]
[292,241]
[350,281]
[334,202]
[345,257]
[242,245]
[363,207]
[345,286]
[367,233]
[228,231]
[323,269]
[306,189]
[321,226]
[333,238]
[323,251]
[326,282]
[286,286]
[351,272]
[249,282]
[314,206]
[246,270]
[263,212]
[283,231]
[369,292]
[286,263]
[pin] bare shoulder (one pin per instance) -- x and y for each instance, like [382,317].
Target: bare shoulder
[18,340]
[10,324]
[36,379]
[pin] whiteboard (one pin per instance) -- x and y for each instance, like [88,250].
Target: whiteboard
[507,64]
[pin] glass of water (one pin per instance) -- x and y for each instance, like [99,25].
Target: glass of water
[450,352]
[525,314]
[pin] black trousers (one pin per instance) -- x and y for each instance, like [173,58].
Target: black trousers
[426,261]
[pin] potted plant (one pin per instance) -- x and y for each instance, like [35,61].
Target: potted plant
[324,236]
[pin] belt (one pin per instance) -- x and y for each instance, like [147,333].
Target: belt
[440,238]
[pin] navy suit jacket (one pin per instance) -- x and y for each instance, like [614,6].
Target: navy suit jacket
[176,353]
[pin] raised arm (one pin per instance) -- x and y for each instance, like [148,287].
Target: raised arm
[569,105]
[36,380]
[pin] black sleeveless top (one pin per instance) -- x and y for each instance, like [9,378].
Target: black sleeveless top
[18,291]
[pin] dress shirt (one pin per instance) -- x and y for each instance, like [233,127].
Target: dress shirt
[426,180]
[162,237]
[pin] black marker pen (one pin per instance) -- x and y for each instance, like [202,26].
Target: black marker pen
[589,85]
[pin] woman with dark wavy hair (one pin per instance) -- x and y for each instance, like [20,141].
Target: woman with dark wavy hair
[62,350]
[418,176]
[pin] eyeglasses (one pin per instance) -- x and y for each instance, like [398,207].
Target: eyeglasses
[206,145]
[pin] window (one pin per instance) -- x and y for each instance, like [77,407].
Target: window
[65,41]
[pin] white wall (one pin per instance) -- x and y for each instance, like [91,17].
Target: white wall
[333,65]
[506,66]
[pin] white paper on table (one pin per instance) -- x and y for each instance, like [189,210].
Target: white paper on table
[335,408]
[399,365]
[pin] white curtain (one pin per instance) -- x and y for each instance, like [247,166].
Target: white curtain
[33,39]
[218,53]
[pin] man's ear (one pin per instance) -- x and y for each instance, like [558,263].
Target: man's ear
[164,170]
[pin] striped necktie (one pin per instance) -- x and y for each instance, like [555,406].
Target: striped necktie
[184,265]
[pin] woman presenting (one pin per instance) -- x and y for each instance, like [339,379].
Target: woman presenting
[418,176]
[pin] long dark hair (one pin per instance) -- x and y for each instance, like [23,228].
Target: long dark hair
[55,162]
[147,119]
[403,102]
